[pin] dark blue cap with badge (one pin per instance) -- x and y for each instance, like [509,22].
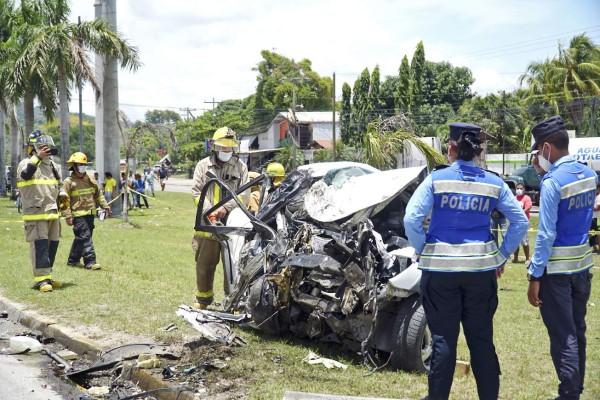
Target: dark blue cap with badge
[545,129]
[458,128]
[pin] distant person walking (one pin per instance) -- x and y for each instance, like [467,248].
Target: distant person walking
[163,175]
[150,178]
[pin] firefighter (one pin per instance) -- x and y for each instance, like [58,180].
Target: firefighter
[276,174]
[559,275]
[254,198]
[85,195]
[39,184]
[225,165]
[460,261]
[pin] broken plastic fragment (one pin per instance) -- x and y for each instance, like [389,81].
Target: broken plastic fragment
[313,359]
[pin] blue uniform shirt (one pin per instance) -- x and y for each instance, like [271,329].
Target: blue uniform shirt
[550,193]
[422,200]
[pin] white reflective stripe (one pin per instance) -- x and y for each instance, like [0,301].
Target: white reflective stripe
[578,187]
[464,187]
[461,263]
[570,266]
[461,249]
[560,252]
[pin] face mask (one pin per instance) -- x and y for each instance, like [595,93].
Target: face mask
[519,192]
[224,156]
[81,169]
[543,161]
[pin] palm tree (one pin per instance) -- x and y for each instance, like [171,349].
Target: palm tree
[577,71]
[570,78]
[387,138]
[58,49]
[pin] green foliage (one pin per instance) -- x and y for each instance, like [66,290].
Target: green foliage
[360,106]
[345,114]
[284,157]
[566,80]
[89,137]
[402,93]
[342,153]
[375,104]
[445,84]
[281,81]
[162,117]
[417,73]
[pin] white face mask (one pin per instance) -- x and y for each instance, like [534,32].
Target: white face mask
[81,169]
[543,161]
[224,156]
[519,192]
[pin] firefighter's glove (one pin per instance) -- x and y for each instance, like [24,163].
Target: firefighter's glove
[63,201]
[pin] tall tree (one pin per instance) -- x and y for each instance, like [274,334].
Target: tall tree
[445,84]
[375,104]
[360,99]
[58,48]
[417,72]
[345,114]
[162,117]
[402,95]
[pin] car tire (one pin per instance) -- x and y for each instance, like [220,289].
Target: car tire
[264,308]
[412,352]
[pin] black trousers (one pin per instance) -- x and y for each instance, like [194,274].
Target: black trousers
[83,229]
[564,304]
[450,298]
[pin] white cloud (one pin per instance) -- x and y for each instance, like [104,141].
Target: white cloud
[193,50]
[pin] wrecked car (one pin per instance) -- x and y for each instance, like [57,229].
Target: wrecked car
[326,258]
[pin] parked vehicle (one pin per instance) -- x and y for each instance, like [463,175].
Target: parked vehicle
[586,150]
[327,258]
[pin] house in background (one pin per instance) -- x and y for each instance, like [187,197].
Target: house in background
[311,130]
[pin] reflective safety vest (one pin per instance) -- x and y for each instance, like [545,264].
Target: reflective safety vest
[459,238]
[571,251]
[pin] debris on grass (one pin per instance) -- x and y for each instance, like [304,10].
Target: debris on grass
[210,326]
[313,359]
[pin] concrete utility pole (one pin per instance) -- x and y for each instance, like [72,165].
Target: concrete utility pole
[107,134]
[188,113]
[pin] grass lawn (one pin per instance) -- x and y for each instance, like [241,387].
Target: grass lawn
[148,270]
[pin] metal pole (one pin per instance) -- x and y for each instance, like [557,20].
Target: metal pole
[503,129]
[333,124]
[80,89]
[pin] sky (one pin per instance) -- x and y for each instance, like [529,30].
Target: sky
[196,50]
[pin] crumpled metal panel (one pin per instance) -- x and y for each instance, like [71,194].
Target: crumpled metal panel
[330,203]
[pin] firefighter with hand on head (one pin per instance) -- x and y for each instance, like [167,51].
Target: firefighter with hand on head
[85,195]
[41,191]
[225,165]
[459,260]
[559,275]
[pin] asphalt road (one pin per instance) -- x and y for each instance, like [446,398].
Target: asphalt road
[29,376]
[176,185]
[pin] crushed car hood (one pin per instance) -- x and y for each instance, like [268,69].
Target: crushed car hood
[330,203]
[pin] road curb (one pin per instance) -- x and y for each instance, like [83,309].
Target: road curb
[81,345]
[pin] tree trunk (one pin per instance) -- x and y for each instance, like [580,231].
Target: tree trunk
[2,151]
[64,121]
[28,111]
[15,154]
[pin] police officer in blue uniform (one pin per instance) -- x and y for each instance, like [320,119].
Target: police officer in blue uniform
[559,277]
[459,260]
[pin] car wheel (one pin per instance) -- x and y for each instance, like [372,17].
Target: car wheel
[264,308]
[413,338]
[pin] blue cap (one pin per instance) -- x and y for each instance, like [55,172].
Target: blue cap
[457,129]
[546,128]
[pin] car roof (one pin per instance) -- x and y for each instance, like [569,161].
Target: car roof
[318,170]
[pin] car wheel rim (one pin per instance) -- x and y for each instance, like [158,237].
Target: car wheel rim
[426,348]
